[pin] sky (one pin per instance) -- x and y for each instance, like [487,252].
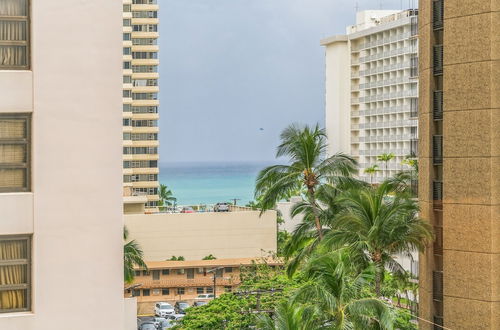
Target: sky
[234,73]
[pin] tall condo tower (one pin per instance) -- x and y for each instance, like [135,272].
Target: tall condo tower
[140,100]
[459,163]
[371,90]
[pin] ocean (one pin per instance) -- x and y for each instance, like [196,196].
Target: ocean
[210,183]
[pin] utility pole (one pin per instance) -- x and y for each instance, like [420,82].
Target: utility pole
[234,200]
[214,271]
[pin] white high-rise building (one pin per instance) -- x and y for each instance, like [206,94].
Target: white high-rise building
[372,90]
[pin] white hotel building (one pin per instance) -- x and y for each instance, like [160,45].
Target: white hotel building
[372,90]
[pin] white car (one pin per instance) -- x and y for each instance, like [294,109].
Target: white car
[163,309]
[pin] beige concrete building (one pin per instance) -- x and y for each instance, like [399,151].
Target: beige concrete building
[60,165]
[238,234]
[140,100]
[171,281]
[459,162]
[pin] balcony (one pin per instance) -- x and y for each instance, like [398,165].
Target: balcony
[438,241]
[438,60]
[437,105]
[437,285]
[437,14]
[437,149]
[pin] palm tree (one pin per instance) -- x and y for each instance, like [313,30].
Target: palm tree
[339,293]
[376,226]
[305,147]
[371,171]
[385,158]
[289,316]
[132,256]
[166,196]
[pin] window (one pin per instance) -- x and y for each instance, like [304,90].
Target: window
[180,290]
[126,65]
[152,204]
[127,21]
[145,109]
[144,2]
[145,273]
[127,79]
[137,273]
[165,291]
[165,271]
[14,35]
[127,93]
[209,289]
[145,96]
[136,293]
[127,50]
[190,273]
[200,290]
[144,41]
[228,269]
[14,152]
[127,8]
[146,292]
[15,273]
[200,270]
[180,271]
[144,55]
[156,275]
[144,68]
[145,14]
[127,36]
[219,272]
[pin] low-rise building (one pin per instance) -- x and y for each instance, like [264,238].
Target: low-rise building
[171,281]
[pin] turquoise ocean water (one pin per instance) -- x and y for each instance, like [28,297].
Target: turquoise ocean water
[209,183]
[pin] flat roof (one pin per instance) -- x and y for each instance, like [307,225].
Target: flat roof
[333,39]
[212,263]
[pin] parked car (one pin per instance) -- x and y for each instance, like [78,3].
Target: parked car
[199,303]
[148,325]
[163,309]
[175,317]
[187,209]
[163,323]
[205,296]
[221,207]
[180,307]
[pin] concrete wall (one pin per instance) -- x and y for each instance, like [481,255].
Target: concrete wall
[130,314]
[285,208]
[337,96]
[75,208]
[196,235]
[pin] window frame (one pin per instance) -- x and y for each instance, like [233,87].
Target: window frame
[28,263]
[26,43]
[25,141]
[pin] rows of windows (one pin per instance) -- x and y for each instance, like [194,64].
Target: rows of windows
[145,82]
[145,28]
[144,109]
[144,41]
[152,204]
[144,55]
[140,163]
[176,291]
[140,136]
[144,68]
[145,96]
[145,14]
[189,272]
[146,191]
[14,34]
[140,177]
[140,123]
[144,2]
[140,150]
[15,141]
[15,273]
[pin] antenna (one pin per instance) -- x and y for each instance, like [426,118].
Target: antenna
[356,7]
[380,4]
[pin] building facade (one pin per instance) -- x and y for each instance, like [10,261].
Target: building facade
[140,100]
[371,91]
[459,163]
[60,165]
[171,281]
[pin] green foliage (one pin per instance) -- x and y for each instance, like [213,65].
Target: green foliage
[166,196]
[403,320]
[132,256]
[174,258]
[282,239]
[209,257]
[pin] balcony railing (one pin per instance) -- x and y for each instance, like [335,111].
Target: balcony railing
[414,147]
[437,110]
[438,60]
[437,14]
[438,241]
[437,149]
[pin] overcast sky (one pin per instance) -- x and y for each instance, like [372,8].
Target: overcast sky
[231,67]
